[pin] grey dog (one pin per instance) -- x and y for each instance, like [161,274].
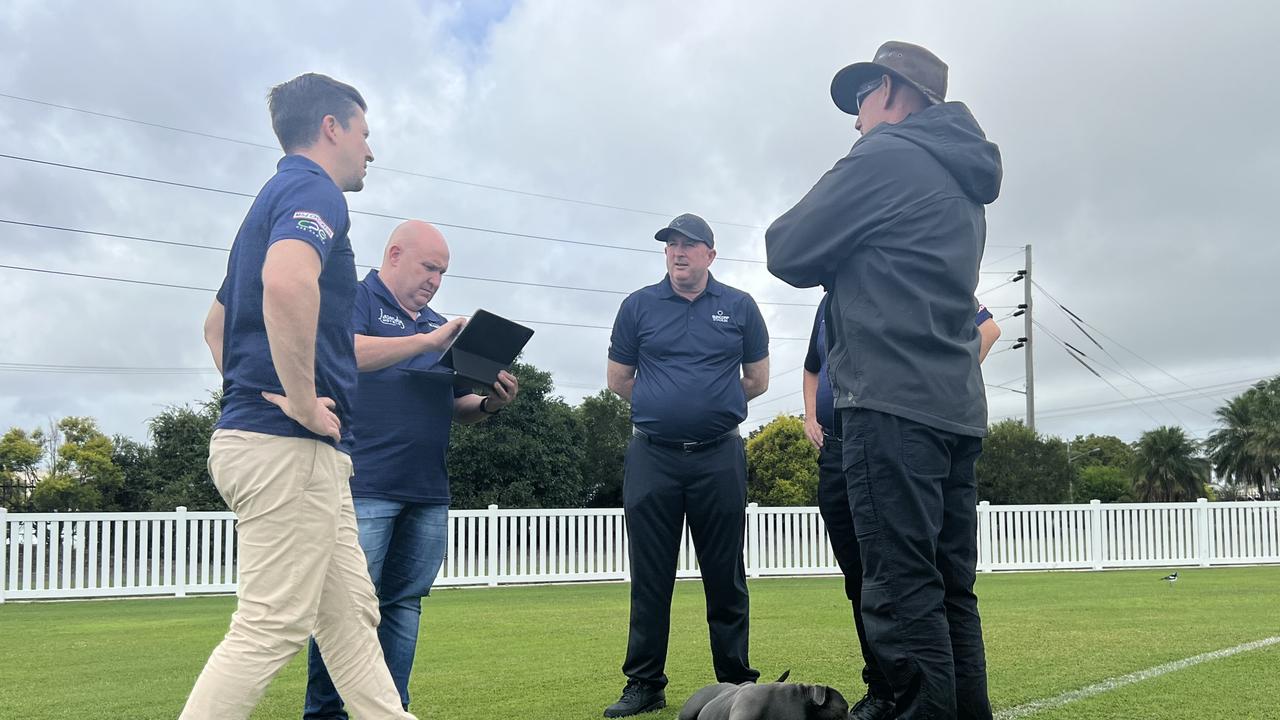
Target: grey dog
[766,701]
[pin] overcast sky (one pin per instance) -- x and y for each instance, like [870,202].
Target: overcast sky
[1141,163]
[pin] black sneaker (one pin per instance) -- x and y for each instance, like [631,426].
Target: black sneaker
[871,707]
[637,697]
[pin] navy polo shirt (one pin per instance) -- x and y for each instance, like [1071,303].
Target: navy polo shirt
[300,202]
[402,420]
[816,362]
[983,315]
[688,357]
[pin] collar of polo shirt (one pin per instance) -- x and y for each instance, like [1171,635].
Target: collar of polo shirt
[713,287]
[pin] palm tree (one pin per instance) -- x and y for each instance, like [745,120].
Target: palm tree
[1168,467]
[1247,448]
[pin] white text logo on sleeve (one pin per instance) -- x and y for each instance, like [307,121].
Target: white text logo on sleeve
[314,224]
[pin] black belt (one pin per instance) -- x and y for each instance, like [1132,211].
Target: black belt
[685,446]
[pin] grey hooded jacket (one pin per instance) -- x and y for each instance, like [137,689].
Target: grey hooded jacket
[895,232]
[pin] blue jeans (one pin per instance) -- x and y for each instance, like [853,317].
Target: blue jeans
[404,545]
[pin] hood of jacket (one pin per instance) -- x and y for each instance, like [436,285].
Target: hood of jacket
[950,134]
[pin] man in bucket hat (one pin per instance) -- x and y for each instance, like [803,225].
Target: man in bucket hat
[895,233]
[688,353]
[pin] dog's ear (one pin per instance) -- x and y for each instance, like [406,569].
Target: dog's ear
[827,704]
[783,677]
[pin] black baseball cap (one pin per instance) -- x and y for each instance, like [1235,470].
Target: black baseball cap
[690,226]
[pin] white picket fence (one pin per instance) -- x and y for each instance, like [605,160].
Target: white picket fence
[80,555]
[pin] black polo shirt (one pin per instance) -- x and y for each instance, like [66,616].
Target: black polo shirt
[688,357]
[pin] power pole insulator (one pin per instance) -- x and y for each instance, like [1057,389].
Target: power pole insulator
[1025,274]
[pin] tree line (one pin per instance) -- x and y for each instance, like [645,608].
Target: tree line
[1019,466]
[542,452]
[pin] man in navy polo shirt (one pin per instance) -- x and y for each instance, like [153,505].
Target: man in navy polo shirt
[401,424]
[280,332]
[688,353]
[821,426]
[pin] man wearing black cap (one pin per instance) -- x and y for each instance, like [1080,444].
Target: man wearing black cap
[895,232]
[688,353]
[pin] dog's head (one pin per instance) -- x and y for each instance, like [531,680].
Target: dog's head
[825,703]
[766,701]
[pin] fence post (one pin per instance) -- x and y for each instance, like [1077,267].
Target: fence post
[180,552]
[984,536]
[753,540]
[624,548]
[491,556]
[1095,534]
[4,551]
[1202,531]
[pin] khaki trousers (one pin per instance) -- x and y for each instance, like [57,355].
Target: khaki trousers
[302,573]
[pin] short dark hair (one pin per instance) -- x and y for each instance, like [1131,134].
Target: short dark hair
[298,106]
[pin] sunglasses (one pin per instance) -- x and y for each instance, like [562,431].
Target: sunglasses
[866,90]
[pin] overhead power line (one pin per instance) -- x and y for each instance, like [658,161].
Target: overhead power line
[102,369]
[88,276]
[757,404]
[457,276]
[1118,368]
[986,292]
[1068,350]
[1002,258]
[765,419]
[367,213]
[142,370]
[1064,309]
[440,178]
[131,281]
[472,228]
[1208,391]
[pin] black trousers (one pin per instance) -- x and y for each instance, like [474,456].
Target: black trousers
[833,503]
[913,498]
[661,487]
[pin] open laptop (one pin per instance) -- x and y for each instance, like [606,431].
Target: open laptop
[486,346]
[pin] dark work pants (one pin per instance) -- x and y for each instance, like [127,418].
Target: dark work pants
[661,488]
[913,497]
[833,502]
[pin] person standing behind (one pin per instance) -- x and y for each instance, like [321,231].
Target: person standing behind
[895,231]
[401,425]
[280,333]
[822,429]
[688,353]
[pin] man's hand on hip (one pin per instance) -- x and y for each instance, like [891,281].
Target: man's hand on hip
[316,415]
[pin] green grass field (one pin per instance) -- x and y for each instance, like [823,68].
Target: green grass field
[554,652]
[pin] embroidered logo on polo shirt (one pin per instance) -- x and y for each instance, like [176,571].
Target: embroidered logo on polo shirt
[720,317]
[314,224]
[386,319]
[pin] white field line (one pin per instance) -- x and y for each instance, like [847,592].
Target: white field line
[1036,706]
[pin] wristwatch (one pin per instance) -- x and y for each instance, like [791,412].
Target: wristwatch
[484,406]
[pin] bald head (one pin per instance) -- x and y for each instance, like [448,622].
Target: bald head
[414,263]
